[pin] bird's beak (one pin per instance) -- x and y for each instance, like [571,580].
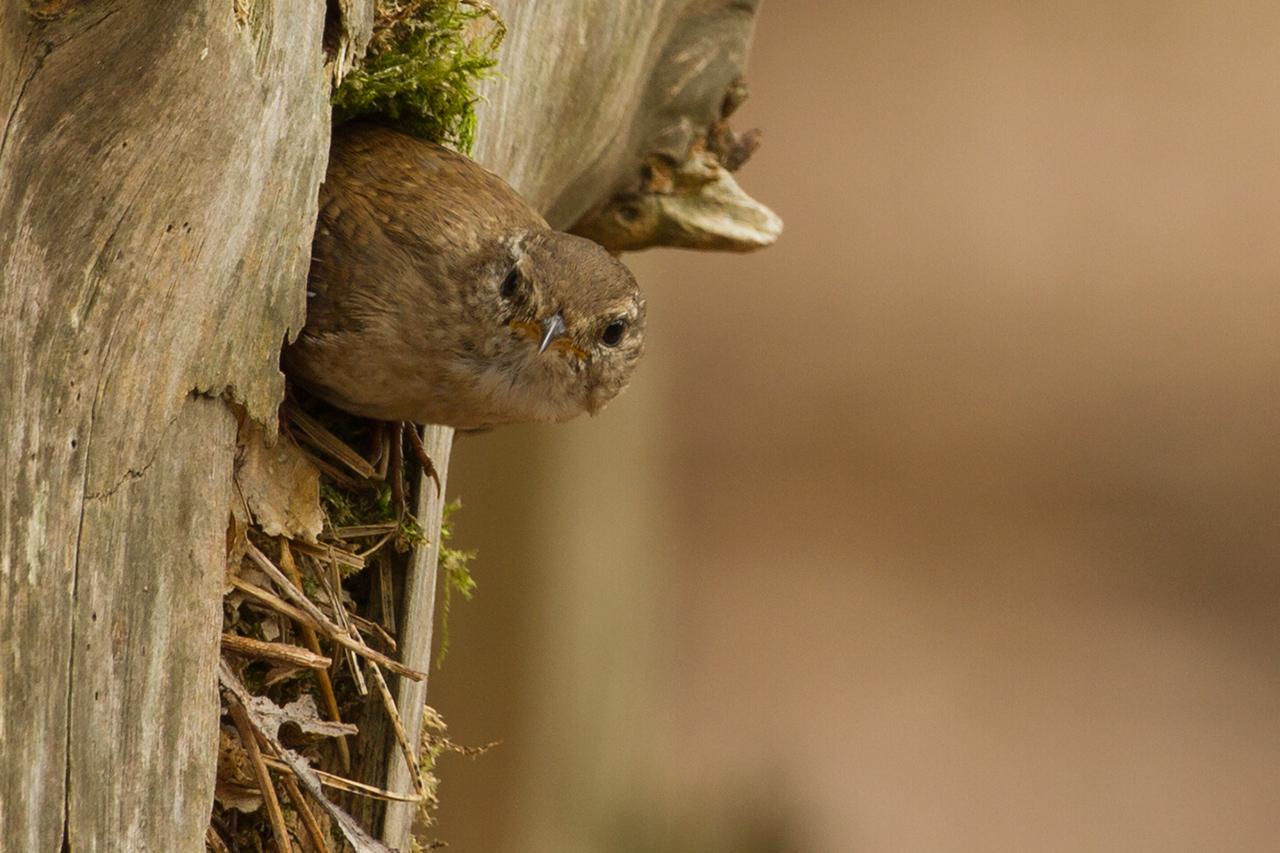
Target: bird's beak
[552,328]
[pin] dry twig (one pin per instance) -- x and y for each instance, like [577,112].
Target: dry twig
[308,817]
[332,586]
[358,531]
[373,549]
[333,472]
[386,592]
[296,655]
[344,558]
[310,614]
[309,778]
[313,642]
[406,749]
[243,725]
[309,821]
[214,841]
[341,783]
[368,626]
[314,433]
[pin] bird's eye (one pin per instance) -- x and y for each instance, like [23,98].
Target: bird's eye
[612,334]
[510,284]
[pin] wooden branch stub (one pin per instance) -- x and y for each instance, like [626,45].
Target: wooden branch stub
[416,611]
[694,203]
[673,71]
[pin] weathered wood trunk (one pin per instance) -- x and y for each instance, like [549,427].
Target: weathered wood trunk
[158,174]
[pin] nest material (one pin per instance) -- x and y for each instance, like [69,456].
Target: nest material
[308,637]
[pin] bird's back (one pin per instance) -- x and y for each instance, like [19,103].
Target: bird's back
[398,204]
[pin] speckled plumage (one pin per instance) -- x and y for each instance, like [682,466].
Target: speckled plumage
[408,314]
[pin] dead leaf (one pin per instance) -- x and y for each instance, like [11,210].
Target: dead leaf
[267,717]
[279,484]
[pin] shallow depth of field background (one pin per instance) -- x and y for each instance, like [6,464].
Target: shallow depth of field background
[950,523]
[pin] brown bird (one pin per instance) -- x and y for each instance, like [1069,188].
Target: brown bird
[438,295]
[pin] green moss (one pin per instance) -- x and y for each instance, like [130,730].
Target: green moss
[409,534]
[340,506]
[420,72]
[455,576]
[345,507]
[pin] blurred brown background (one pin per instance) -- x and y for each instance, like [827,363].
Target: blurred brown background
[950,523]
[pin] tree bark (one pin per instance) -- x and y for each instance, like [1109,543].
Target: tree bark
[586,92]
[158,173]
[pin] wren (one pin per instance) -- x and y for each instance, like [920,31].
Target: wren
[437,295]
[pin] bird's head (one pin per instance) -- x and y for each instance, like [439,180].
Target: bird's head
[569,323]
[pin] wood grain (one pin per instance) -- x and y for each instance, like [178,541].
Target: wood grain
[585,93]
[158,174]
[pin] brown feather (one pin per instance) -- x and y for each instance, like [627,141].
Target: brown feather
[405,318]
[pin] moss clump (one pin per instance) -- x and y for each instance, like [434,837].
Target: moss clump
[455,576]
[421,68]
[345,508]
